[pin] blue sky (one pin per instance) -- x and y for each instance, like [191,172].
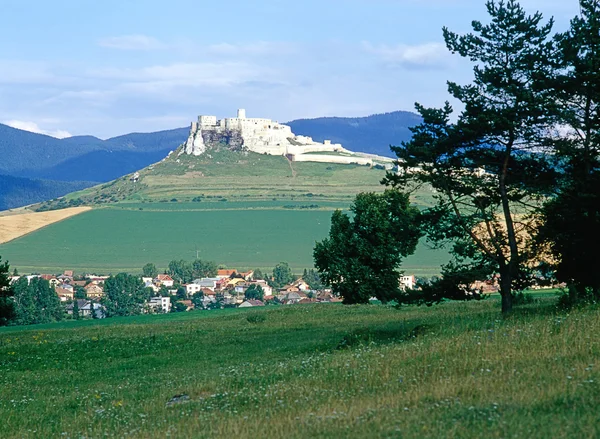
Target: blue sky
[115,66]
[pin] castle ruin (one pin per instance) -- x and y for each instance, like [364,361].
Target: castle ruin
[262,136]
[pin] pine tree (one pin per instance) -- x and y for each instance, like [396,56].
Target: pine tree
[488,165]
[572,219]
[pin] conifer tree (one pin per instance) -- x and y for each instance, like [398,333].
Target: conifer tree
[487,168]
[572,218]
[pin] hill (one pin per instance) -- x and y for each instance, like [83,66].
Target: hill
[34,155]
[16,192]
[318,371]
[372,134]
[87,158]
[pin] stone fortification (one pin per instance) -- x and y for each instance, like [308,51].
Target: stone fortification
[263,136]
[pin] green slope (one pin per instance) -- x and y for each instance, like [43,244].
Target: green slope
[317,371]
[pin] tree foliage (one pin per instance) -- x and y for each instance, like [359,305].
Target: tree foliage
[282,275]
[572,218]
[185,272]
[125,295]
[150,270]
[312,278]
[487,169]
[362,254]
[254,292]
[7,308]
[36,302]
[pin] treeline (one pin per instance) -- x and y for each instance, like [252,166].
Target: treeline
[184,272]
[16,191]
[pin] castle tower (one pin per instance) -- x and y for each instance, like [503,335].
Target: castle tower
[241,114]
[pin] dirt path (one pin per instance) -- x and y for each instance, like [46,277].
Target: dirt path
[15,226]
[292,168]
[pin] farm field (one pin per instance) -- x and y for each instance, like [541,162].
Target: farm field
[453,370]
[22,222]
[124,238]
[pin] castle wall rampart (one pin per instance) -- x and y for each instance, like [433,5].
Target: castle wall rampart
[332,159]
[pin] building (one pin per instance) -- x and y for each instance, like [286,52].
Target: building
[51,279]
[208,282]
[251,303]
[192,289]
[160,304]
[222,274]
[64,295]
[407,282]
[263,136]
[164,280]
[94,291]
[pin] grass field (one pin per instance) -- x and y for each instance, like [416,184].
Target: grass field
[454,370]
[239,235]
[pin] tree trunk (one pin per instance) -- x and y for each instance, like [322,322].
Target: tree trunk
[506,290]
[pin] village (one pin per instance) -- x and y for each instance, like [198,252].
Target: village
[85,294]
[230,288]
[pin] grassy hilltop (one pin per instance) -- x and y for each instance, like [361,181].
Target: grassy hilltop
[454,370]
[237,176]
[244,210]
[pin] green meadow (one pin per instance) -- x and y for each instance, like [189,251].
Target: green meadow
[456,370]
[240,235]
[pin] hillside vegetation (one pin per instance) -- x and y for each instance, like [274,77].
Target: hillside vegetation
[244,210]
[237,176]
[454,370]
[373,134]
[16,191]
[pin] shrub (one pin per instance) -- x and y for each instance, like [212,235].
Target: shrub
[256,318]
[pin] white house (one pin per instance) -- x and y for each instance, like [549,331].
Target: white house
[160,303]
[164,280]
[192,289]
[407,282]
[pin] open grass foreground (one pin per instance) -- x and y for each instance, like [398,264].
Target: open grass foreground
[455,370]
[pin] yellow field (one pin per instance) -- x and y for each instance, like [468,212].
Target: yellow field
[15,226]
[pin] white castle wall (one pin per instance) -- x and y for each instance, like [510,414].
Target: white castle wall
[259,135]
[344,160]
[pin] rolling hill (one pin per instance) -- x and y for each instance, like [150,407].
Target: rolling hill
[88,159]
[16,191]
[372,134]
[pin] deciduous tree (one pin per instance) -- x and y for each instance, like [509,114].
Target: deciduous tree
[361,257]
[150,270]
[282,275]
[254,292]
[125,295]
[7,308]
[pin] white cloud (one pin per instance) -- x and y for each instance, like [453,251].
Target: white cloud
[185,74]
[132,42]
[34,128]
[418,56]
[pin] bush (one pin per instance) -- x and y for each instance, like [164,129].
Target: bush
[256,318]
[521,298]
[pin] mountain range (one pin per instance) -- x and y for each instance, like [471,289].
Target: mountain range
[36,167]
